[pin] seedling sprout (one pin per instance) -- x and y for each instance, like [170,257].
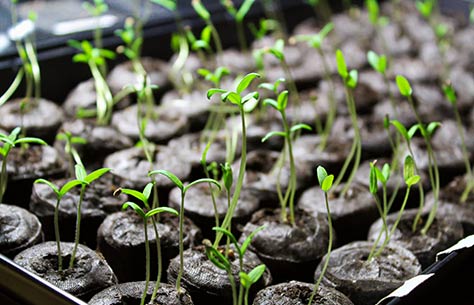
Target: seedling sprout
[350,79]
[239,16]
[427,132]
[325,182]
[10,141]
[450,95]
[146,215]
[288,134]
[223,262]
[71,152]
[183,188]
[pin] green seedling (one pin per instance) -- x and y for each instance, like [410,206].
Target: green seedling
[288,134]
[278,52]
[451,96]
[59,192]
[83,179]
[10,141]
[263,28]
[426,131]
[239,16]
[183,188]
[202,44]
[204,14]
[380,64]
[248,279]
[273,11]
[382,176]
[132,38]
[316,41]
[148,214]
[96,58]
[180,77]
[223,261]
[71,152]
[237,98]
[97,9]
[350,79]
[215,77]
[325,182]
[471,14]
[22,34]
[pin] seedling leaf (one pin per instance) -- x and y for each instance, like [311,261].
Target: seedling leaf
[161,210]
[81,173]
[245,82]
[248,240]
[404,86]
[352,79]
[322,174]
[341,64]
[408,168]
[327,183]
[202,180]
[135,207]
[217,258]
[271,102]
[412,180]
[450,94]
[170,176]
[245,280]
[282,100]
[244,9]
[300,126]
[373,179]
[51,185]
[213,91]
[256,273]
[401,129]
[31,140]
[136,194]
[68,186]
[432,127]
[228,234]
[273,134]
[96,174]
[147,190]
[168,4]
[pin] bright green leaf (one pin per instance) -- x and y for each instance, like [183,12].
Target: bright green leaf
[170,176]
[256,273]
[404,86]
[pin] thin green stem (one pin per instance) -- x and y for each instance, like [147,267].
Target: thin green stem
[241,36]
[57,236]
[395,224]
[159,260]
[465,153]
[232,284]
[3,177]
[240,179]
[181,246]
[328,254]
[147,262]
[292,183]
[331,116]
[78,226]
[246,298]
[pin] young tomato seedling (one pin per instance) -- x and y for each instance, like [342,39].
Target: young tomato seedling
[240,100]
[450,95]
[183,188]
[426,131]
[350,82]
[288,134]
[222,260]
[316,41]
[325,182]
[59,192]
[239,15]
[382,176]
[10,141]
[146,215]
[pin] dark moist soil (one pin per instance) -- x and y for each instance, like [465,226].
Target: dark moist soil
[121,238]
[90,273]
[299,293]
[290,252]
[208,284]
[365,282]
[123,74]
[19,230]
[352,214]
[130,168]
[443,233]
[131,293]
[33,118]
[101,140]
[98,202]
[84,96]
[25,167]
[451,206]
[163,124]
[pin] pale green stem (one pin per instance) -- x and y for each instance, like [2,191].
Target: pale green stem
[57,236]
[160,263]
[78,226]
[328,254]
[3,177]
[332,103]
[147,262]
[181,245]
[235,198]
